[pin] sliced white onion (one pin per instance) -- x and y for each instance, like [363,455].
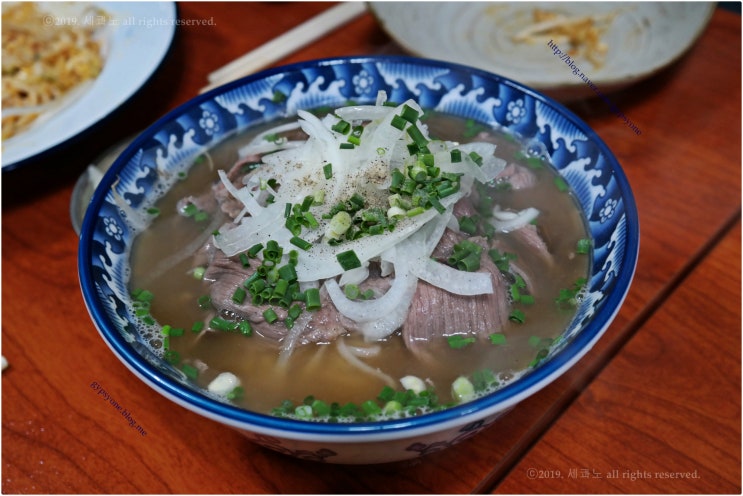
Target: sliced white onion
[355,276]
[371,310]
[363,112]
[454,281]
[243,194]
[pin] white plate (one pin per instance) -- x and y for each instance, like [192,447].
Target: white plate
[137,37]
[642,38]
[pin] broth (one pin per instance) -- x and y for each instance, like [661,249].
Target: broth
[319,370]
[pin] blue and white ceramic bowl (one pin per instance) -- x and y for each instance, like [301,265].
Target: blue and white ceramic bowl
[582,158]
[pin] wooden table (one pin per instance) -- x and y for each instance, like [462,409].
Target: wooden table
[653,408]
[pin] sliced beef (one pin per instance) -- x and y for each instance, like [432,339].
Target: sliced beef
[517,176]
[226,274]
[534,256]
[435,313]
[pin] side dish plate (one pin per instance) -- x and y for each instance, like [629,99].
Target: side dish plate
[138,35]
[641,38]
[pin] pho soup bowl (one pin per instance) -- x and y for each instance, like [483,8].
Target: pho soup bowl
[409,418]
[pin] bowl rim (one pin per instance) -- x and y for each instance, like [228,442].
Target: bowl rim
[475,410]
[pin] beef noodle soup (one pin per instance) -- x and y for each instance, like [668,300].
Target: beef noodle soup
[363,263]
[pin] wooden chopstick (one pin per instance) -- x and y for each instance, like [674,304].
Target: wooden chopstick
[285,44]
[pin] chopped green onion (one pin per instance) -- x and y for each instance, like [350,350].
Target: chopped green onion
[497,338]
[583,246]
[409,113]
[476,158]
[501,260]
[534,162]
[189,210]
[351,291]
[273,251]
[327,169]
[300,243]
[341,126]
[279,290]
[320,408]
[143,295]
[293,256]
[190,371]
[417,136]
[348,260]
[483,379]
[517,316]
[561,184]
[310,220]
[312,299]
[220,324]
[245,328]
[458,341]
[172,357]
[370,407]
[294,311]
[288,273]
[467,225]
[398,122]
[238,296]
[236,393]
[270,315]
[535,341]
[254,250]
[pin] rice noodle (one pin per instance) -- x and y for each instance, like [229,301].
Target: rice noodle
[507,221]
[366,351]
[292,338]
[367,369]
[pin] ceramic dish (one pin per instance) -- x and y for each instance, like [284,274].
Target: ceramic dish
[137,36]
[641,38]
[582,158]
